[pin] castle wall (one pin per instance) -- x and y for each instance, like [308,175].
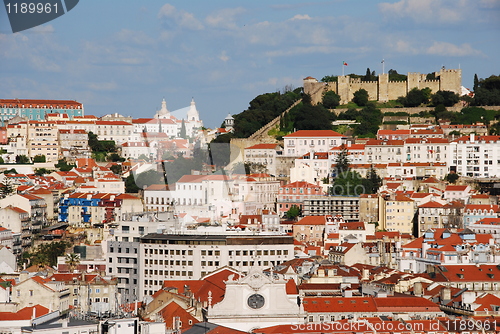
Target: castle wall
[432,84]
[397,89]
[384,90]
[370,86]
[316,89]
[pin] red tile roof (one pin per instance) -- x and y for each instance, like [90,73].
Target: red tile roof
[341,305]
[262,147]
[311,220]
[314,133]
[455,188]
[25,313]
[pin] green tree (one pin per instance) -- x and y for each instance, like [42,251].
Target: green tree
[64,166]
[487,92]
[182,133]
[1,160]
[330,78]
[342,164]
[39,158]
[310,117]
[116,169]
[46,254]
[369,76]
[331,100]
[10,171]
[293,212]
[395,76]
[94,143]
[22,159]
[476,82]
[42,171]
[115,157]
[444,97]
[130,185]
[348,184]
[360,97]
[6,188]
[262,110]
[375,181]
[452,177]
[414,98]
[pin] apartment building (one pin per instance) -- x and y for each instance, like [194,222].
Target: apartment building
[295,193]
[43,140]
[426,150]
[345,206]
[396,212]
[304,141]
[74,143]
[475,156]
[38,109]
[384,151]
[443,247]
[435,214]
[264,154]
[192,256]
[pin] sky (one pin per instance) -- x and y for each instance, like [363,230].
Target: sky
[124,56]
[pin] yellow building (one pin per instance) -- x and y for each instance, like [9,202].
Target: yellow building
[396,212]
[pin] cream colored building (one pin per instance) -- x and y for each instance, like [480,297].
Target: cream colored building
[43,140]
[396,213]
[42,291]
[304,141]
[384,151]
[368,208]
[264,154]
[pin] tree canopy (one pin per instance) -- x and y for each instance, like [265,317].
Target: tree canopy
[369,117]
[360,97]
[331,100]
[263,109]
[22,159]
[444,97]
[39,158]
[64,166]
[45,254]
[487,91]
[415,97]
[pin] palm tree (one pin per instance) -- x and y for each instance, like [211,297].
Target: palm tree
[72,260]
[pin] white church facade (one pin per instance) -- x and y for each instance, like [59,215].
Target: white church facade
[256,301]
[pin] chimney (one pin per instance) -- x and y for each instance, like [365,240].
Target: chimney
[418,289]
[445,293]
[472,137]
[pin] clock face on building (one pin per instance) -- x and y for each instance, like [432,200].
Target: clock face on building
[256,301]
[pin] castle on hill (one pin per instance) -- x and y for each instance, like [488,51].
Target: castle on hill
[384,90]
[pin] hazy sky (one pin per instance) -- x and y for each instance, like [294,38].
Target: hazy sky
[125,56]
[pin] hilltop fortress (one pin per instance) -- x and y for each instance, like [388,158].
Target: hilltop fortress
[383,90]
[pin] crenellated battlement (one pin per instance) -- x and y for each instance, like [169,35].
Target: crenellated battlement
[384,90]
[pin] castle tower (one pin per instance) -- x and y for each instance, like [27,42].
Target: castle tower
[412,81]
[192,114]
[383,87]
[229,121]
[163,112]
[450,80]
[344,89]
